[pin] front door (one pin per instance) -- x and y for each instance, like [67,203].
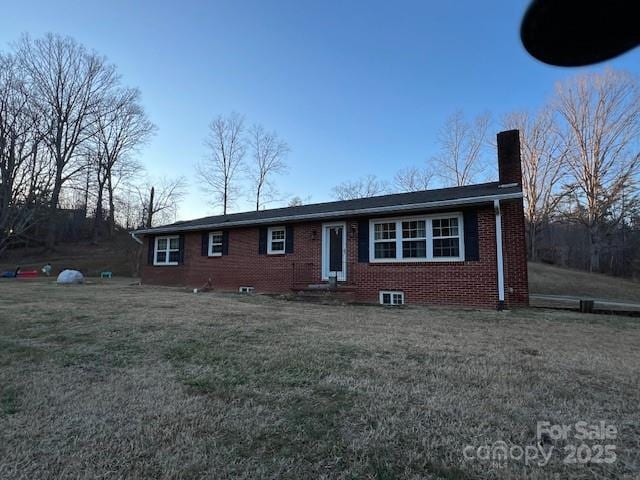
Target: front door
[334,251]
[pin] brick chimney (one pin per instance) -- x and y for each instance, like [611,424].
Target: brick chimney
[509,164]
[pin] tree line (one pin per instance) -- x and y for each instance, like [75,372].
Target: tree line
[69,134]
[580,166]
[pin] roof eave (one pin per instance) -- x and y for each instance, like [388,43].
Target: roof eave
[336,214]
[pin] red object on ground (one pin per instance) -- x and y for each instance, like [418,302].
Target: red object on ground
[28,274]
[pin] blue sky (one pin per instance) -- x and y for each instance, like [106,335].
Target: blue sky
[354,87]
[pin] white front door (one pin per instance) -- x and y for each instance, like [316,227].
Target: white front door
[334,251]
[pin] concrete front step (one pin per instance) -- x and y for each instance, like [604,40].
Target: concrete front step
[326,296]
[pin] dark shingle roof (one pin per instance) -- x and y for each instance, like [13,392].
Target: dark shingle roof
[385,203]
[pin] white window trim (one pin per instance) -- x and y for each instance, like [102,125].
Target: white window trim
[211,234]
[271,251]
[429,231]
[166,263]
[392,293]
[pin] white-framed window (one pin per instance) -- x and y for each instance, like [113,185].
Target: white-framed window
[215,244]
[167,250]
[424,238]
[414,239]
[390,297]
[446,237]
[276,237]
[384,239]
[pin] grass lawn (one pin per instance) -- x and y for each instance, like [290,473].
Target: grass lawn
[118,381]
[552,280]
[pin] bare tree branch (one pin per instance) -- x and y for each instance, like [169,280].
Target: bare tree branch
[20,137]
[70,85]
[368,186]
[412,179]
[268,152]
[227,149]
[602,116]
[157,200]
[543,169]
[462,143]
[122,127]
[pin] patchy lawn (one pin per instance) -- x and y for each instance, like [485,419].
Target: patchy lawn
[117,381]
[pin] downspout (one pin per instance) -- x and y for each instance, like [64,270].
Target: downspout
[133,235]
[499,257]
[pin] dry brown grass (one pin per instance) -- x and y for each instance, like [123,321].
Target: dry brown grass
[551,280]
[117,381]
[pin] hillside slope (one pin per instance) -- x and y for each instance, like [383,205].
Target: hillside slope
[551,280]
[118,255]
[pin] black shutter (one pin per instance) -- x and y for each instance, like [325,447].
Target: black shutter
[225,243]
[262,241]
[471,243]
[289,239]
[205,244]
[150,251]
[363,241]
[181,246]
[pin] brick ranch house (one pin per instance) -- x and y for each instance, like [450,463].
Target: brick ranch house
[461,245]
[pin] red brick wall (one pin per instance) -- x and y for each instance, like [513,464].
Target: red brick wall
[243,266]
[516,282]
[439,283]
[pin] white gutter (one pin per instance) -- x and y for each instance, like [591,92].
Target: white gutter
[133,235]
[499,257]
[335,214]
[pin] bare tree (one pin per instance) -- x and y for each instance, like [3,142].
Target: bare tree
[460,159]
[602,116]
[68,134]
[158,200]
[227,148]
[268,152]
[122,127]
[368,186]
[295,201]
[543,169]
[412,179]
[69,85]
[20,135]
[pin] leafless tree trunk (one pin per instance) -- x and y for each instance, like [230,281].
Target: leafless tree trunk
[543,169]
[69,85]
[602,114]
[368,186]
[268,152]
[160,204]
[101,178]
[88,184]
[122,127]
[150,208]
[412,179]
[460,160]
[227,148]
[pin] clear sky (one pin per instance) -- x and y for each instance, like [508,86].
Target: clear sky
[353,87]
